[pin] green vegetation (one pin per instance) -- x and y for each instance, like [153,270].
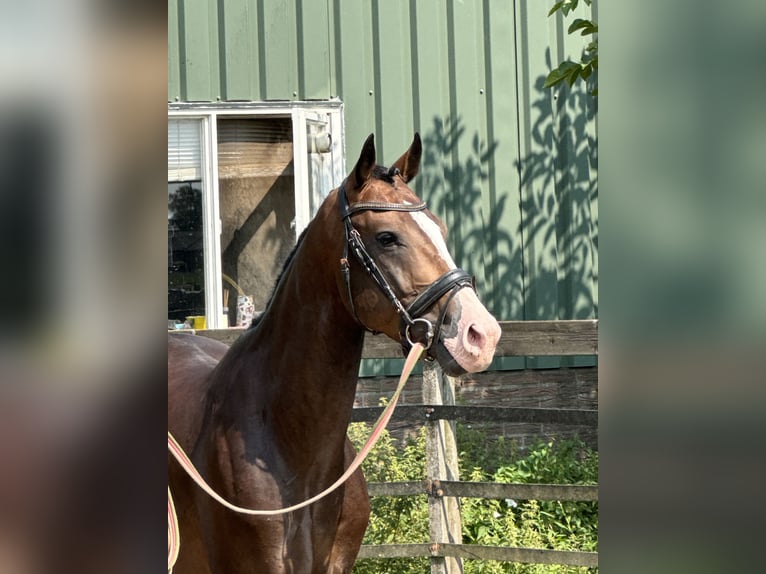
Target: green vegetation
[568,70]
[528,523]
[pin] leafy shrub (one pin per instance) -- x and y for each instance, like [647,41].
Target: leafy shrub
[535,524]
[394,519]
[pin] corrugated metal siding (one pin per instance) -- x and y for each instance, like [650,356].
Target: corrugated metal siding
[509,166]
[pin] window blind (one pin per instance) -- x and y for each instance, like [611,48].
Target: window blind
[254,147]
[184,151]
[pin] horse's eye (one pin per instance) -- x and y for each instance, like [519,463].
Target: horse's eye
[386,238]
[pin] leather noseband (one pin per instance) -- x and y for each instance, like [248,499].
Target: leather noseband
[412,315]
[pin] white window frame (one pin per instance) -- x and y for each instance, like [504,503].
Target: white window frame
[208,115]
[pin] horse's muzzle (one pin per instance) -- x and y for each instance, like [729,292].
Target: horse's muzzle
[469,344]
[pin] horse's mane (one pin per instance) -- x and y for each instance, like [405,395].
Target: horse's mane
[384,173]
[286,264]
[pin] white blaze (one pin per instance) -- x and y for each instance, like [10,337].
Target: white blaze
[431,229]
[473,346]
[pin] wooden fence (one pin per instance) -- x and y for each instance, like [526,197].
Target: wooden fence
[439,413]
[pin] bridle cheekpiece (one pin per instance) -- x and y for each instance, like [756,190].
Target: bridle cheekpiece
[411,315]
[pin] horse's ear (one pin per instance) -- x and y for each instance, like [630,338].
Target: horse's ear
[409,163]
[364,165]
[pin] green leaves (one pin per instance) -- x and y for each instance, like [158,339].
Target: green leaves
[569,71]
[528,523]
[566,6]
[587,27]
[557,6]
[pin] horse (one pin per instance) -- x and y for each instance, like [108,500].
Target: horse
[265,421]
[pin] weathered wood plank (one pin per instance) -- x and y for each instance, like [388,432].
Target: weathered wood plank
[495,490]
[519,338]
[403,488]
[442,463]
[538,338]
[466,413]
[381,347]
[525,555]
[394,551]
[570,492]
[477,552]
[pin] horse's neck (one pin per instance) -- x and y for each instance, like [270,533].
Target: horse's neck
[318,365]
[302,364]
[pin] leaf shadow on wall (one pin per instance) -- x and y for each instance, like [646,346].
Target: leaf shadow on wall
[532,242]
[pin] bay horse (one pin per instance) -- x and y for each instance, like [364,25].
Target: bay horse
[265,421]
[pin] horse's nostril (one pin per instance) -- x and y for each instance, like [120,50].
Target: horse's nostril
[475,335]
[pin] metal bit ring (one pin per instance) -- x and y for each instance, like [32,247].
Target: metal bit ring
[429,332]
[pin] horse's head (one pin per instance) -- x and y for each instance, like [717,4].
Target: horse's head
[398,275]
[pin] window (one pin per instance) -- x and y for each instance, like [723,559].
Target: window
[243,183]
[186,271]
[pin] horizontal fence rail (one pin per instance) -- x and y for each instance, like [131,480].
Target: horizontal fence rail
[479,552]
[518,339]
[439,414]
[493,490]
[466,413]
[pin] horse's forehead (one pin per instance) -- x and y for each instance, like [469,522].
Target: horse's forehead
[428,225]
[400,192]
[396,192]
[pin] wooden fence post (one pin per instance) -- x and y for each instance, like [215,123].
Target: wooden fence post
[442,464]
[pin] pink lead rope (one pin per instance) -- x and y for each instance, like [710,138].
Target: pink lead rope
[175,449]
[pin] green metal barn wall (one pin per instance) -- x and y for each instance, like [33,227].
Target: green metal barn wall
[509,166]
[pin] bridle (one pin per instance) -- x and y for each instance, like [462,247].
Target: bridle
[411,315]
[451,282]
